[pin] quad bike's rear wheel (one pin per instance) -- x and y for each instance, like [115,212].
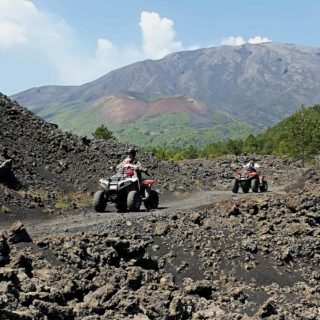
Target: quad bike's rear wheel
[255,185]
[264,187]
[154,199]
[235,186]
[100,201]
[133,201]
[152,202]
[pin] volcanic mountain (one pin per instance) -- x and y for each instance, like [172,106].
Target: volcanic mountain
[188,97]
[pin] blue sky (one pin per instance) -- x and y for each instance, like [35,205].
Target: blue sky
[71,42]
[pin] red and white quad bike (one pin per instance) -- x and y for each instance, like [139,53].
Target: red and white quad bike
[247,179]
[126,191]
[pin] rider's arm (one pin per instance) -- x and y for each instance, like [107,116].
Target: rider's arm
[144,170]
[139,167]
[246,166]
[121,165]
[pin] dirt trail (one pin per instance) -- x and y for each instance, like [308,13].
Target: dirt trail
[86,219]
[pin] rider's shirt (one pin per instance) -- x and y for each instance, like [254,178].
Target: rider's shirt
[126,161]
[249,165]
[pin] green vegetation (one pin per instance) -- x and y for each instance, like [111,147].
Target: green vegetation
[297,136]
[173,130]
[102,132]
[155,97]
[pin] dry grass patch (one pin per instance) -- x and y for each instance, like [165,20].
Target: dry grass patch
[73,199]
[4,209]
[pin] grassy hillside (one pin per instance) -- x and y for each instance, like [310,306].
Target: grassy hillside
[169,129]
[301,131]
[297,136]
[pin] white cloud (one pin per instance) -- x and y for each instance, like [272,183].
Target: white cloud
[19,11]
[233,41]
[14,17]
[258,39]
[24,27]
[239,40]
[11,34]
[158,35]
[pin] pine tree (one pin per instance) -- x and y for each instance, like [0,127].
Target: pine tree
[102,132]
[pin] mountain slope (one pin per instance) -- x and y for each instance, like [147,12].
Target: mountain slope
[251,85]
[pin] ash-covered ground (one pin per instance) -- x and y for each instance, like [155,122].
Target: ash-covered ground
[205,254]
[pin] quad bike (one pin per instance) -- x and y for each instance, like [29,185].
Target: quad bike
[247,179]
[126,191]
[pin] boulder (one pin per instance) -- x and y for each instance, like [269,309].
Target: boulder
[5,170]
[4,251]
[18,233]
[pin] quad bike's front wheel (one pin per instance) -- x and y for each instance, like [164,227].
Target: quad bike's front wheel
[235,186]
[152,202]
[100,201]
[133,201]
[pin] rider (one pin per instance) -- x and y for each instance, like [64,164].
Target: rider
[131,159]
[253,166]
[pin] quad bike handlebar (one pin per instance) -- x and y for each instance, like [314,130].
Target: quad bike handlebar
[132,166]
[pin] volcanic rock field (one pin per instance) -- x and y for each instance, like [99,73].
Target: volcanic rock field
[204,254]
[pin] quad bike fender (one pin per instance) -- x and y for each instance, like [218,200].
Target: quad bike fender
[147,183]
[252,174]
